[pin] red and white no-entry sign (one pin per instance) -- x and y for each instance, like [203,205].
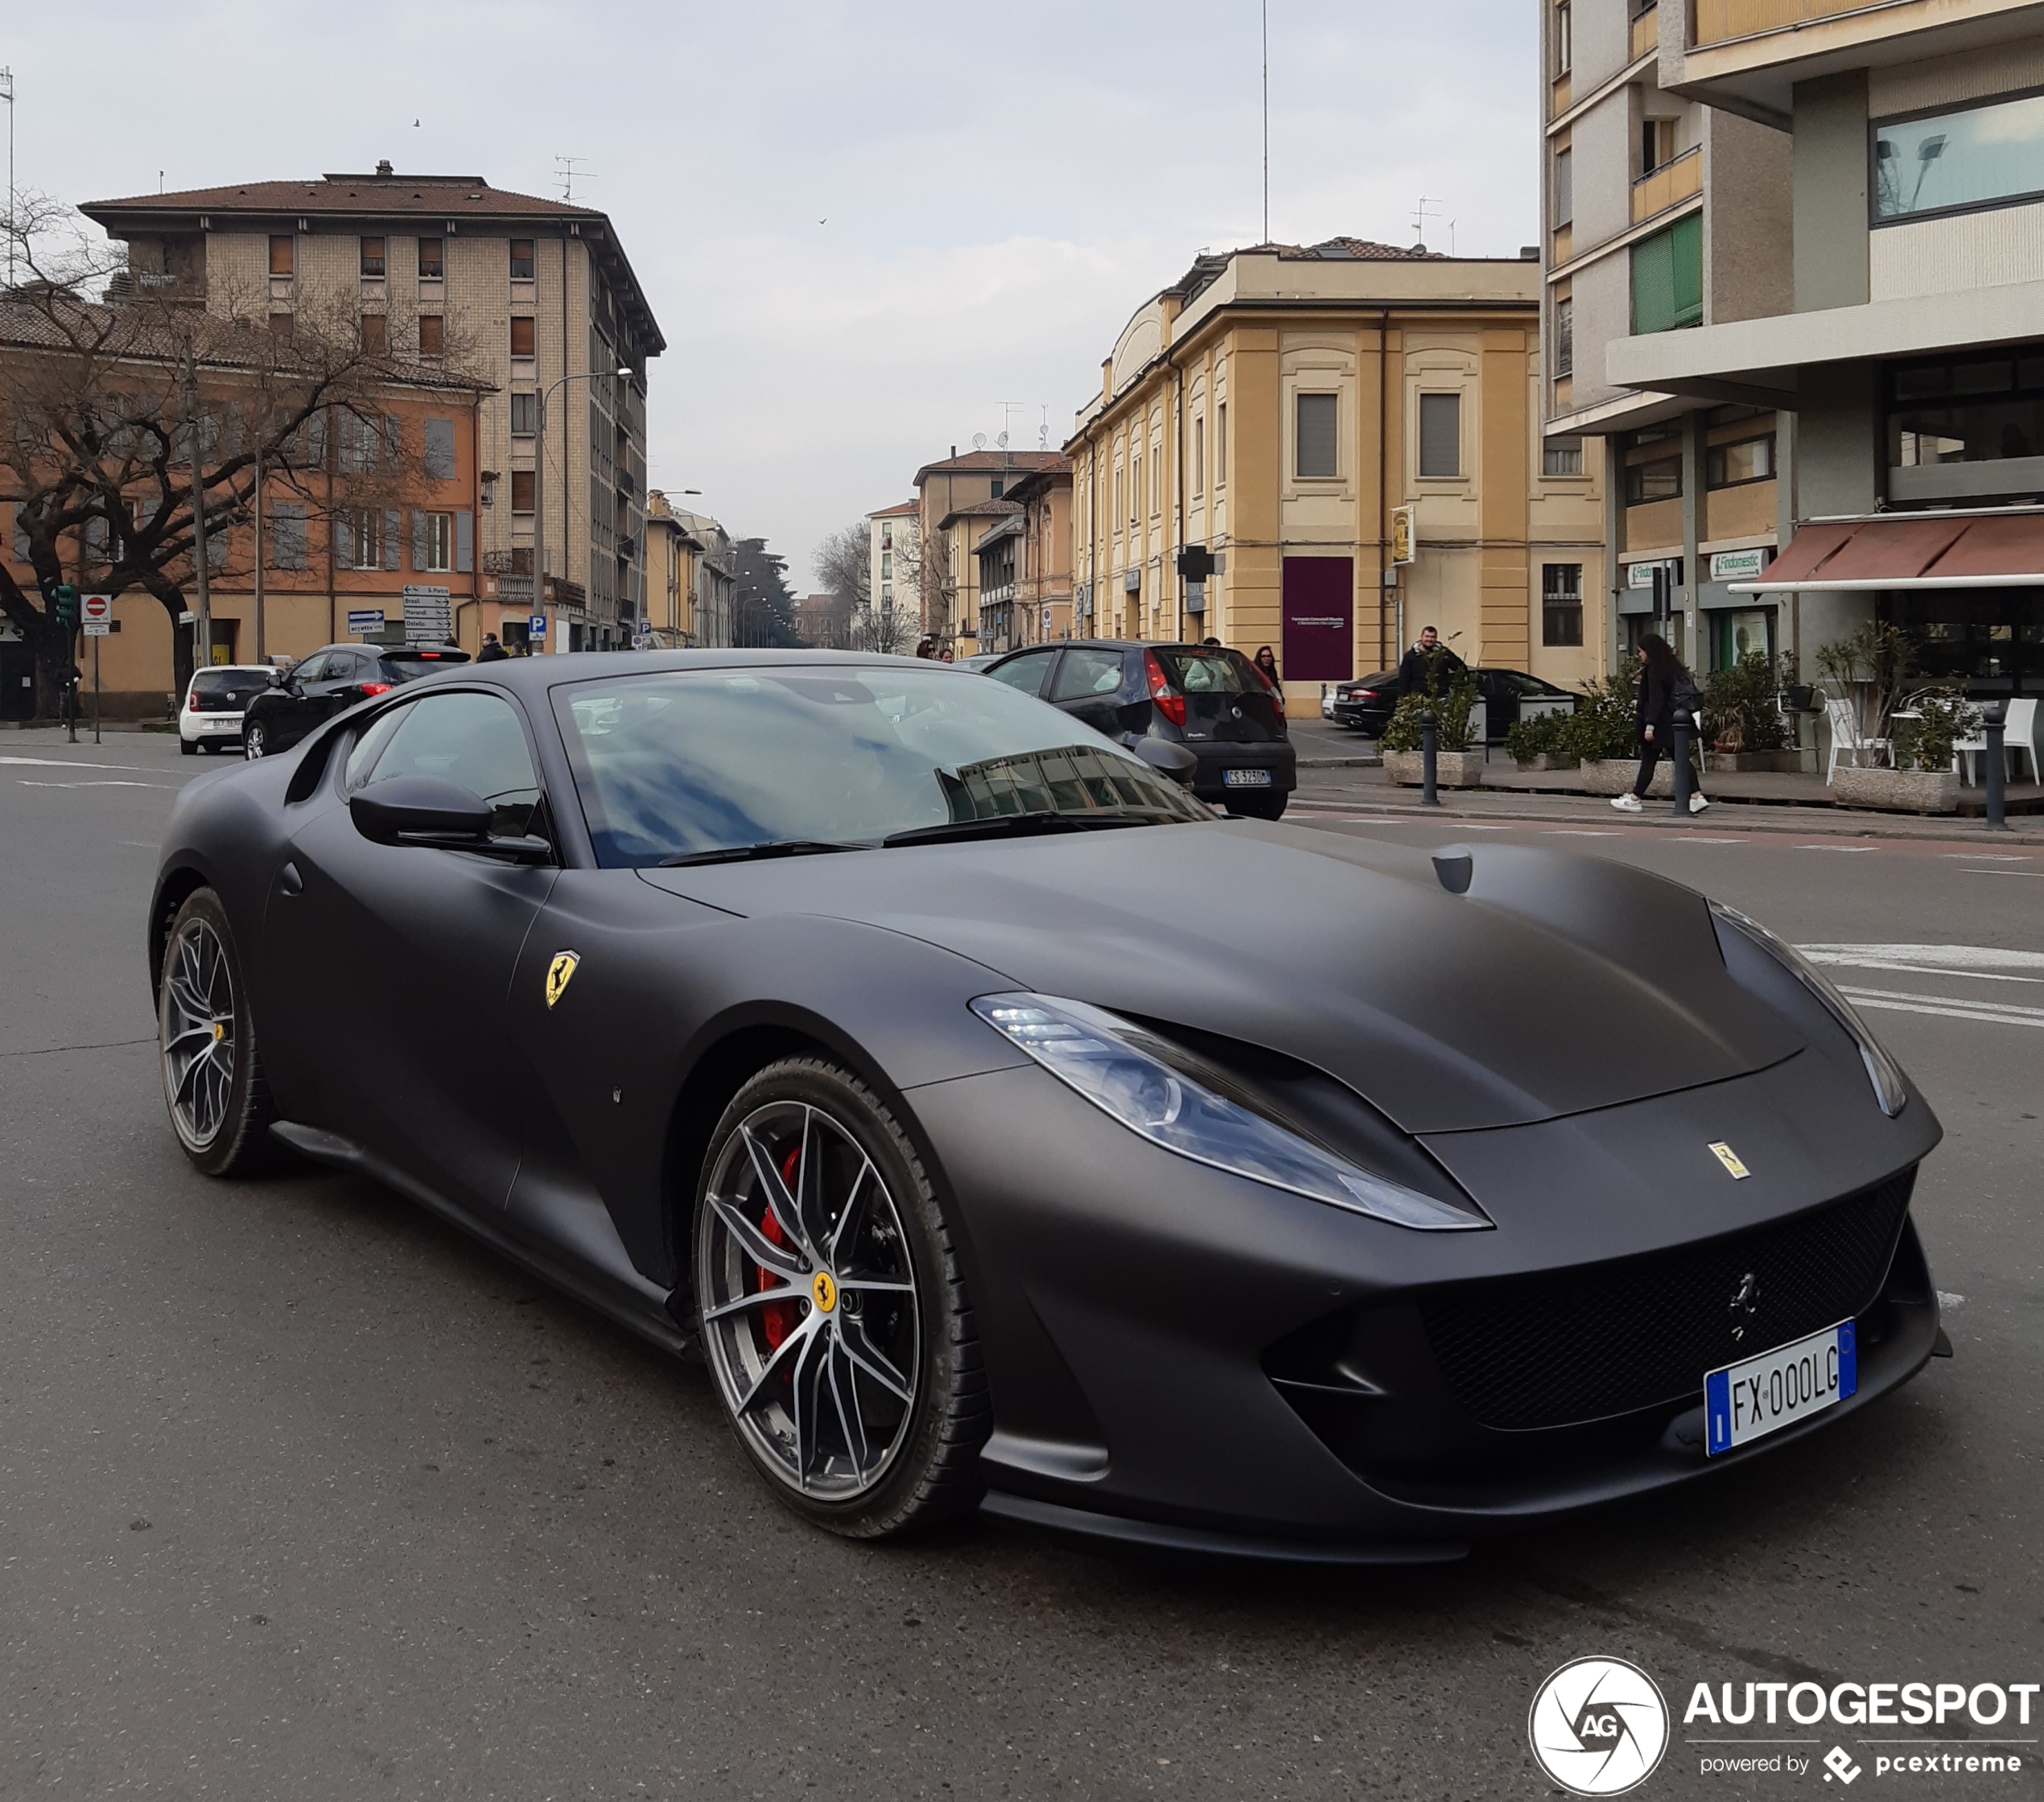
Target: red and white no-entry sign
[95,607]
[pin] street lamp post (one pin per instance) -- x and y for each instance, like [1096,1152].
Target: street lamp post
[539,480]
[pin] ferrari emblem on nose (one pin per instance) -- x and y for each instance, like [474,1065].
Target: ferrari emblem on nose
[1730,1159]
[557,973]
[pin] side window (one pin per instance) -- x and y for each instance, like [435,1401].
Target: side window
[1087,672]
[1025,672]
[474,740]
[309,670]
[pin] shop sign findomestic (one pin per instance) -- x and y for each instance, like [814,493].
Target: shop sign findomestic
[1738,565]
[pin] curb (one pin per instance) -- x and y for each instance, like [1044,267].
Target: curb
[1826,825]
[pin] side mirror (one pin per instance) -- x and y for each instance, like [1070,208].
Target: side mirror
[1171,760]
[431,811]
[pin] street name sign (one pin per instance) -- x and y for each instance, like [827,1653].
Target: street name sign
[363,620]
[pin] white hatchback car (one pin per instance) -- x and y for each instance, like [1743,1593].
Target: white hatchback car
[214,701]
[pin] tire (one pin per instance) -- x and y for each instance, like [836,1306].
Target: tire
[255,741]
[189,746]
[1256,806]
[861,1400]
[218,1100]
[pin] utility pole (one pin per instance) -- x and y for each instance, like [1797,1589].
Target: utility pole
[623,372]
[202,625]
[262,643]
[7,94]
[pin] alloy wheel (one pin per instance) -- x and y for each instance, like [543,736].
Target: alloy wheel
[809,1311]
[197,1033]
[254,742]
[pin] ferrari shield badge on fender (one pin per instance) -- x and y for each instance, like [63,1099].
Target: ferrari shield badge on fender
[1722,1152]
[559,971]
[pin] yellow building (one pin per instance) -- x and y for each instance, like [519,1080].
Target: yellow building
[1275,407]
[688,577]
[957,499]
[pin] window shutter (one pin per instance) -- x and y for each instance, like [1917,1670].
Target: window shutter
[344,541]
[439,450]
[418,539]
[1316,448]
[464,541]
[1440,435]
[315,440]
[1686,268]
[393,524]
[393,438]
[287,536]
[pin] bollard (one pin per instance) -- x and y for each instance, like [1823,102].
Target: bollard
[1427,751]
[1682,725]
[1995,723]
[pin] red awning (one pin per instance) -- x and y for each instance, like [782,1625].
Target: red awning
[1910,551]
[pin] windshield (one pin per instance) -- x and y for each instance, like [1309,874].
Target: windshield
[239,685]
[1210,671]
[673,764]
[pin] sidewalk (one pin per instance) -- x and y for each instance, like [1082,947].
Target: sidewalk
[1754,803]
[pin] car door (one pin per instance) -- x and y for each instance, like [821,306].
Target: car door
[1026,670]
[1087,684]
[288,711]
[404,1047]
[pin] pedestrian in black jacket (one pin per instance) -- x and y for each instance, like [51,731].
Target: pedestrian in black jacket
[1664,685]
[1429,656]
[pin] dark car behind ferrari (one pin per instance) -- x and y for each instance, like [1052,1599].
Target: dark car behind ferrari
[332,679]
[1367,705]
[1211,700]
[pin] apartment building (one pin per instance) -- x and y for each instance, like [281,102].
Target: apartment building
[1026,562]
[534,298]
[688,578]
[1845,321]
[957,498]
[1276,406]
[894,566]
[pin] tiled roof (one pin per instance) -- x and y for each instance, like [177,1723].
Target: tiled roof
[445,196]
[896,512]
[1347,250]
[980,509]
[985,462]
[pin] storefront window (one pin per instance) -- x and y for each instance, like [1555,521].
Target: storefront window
[1993,641]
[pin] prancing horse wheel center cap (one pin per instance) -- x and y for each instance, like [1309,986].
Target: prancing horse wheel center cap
[825,1290]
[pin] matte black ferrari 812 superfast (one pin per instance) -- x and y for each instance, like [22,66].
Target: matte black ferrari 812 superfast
[1006,1129]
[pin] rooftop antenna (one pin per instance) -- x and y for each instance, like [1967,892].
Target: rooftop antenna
[1043,430]
[1421,214]
[569,172]
[1008,408]
[7,94]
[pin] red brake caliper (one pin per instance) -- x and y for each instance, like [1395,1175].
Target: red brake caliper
[776,1318]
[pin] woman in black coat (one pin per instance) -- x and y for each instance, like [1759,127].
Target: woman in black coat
[1663,685]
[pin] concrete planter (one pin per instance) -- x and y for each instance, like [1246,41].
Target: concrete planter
[1547,759]
[1906,791]
[1452,769]
[1778,763]
[1617,775]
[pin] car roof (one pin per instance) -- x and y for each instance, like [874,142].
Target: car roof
[558,670]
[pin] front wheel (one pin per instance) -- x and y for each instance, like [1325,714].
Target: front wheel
[206,1044]
[833,1313]
[255,742]
[1256,806]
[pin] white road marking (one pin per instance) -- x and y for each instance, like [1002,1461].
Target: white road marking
[1583,832]
[2032,873]
[1992,856]
[1987,962]
[76,763]
[1850,851]
[1900,1001]
[99,782]
[1947,1299]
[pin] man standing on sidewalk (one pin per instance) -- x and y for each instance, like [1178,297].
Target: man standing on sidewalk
[1430,666]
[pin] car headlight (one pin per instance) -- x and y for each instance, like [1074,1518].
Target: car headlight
[1886,1074]
[1131,1075]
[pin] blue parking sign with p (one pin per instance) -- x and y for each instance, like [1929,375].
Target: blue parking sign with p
[537,626]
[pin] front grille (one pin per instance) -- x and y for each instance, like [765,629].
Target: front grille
[1602,1339]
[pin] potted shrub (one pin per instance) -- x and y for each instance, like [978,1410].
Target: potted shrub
[1923,780]
[1742,722]
[1540,742]
[1603,735]
[1867,670]
[1456,765]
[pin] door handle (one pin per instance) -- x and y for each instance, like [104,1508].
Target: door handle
[289,881]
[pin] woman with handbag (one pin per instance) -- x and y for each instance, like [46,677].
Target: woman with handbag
[1664,686]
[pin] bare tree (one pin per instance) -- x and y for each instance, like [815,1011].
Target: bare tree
[123,424]
[844,565]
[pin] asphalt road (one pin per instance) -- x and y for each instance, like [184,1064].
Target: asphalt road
[303,1495]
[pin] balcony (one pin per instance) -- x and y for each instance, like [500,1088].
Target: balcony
[1668,186]
[1646,30]
[1720,21]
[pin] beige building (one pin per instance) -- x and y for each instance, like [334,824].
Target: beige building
[1853,332]
[894,566]
[516,291]
[957,499]
[1275,406]
[688,577]
[1025,576]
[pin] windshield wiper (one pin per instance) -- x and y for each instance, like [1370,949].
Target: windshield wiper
[1011,826]
[772,847]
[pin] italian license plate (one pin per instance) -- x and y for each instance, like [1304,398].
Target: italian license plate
[1244,779]
[1761,1395]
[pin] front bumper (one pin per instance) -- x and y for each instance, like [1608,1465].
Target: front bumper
[1172,1351]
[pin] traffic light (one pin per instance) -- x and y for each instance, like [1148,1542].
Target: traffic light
[66,603]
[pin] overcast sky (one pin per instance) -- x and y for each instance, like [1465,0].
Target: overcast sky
[863,228]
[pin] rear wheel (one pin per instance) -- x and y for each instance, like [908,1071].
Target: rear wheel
[833,1313]
[206,1044]
[1256,806]
[188,746]
[255,741]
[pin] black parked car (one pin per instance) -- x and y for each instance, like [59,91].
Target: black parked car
[330,680]
[1211,700]
[1365,705]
